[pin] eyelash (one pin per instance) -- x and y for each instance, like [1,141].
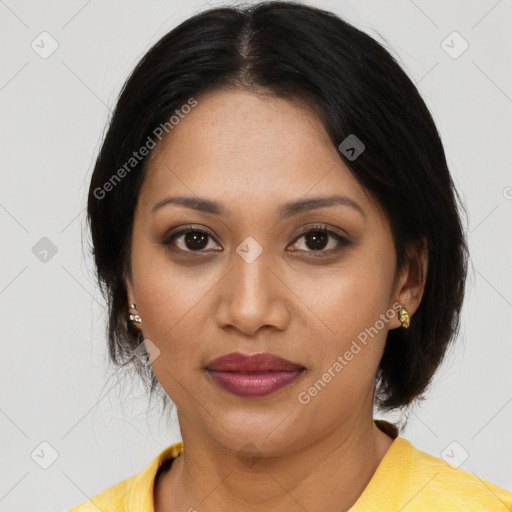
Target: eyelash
[317,228]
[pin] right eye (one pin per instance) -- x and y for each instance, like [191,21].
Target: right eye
[189,240]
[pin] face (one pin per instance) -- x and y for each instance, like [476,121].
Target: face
[249,278]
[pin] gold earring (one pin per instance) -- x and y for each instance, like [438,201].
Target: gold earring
[135,318]
[404,317]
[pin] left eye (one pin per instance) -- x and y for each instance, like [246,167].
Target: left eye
[318,238]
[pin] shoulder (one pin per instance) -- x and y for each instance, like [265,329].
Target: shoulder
[110,500]
[411,480]
[447,487]
[134,493]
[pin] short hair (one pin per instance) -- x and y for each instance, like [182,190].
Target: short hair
[355,86]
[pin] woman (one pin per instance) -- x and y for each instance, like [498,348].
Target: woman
[278,237]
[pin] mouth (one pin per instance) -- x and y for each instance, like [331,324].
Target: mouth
[262,362]
[253,375]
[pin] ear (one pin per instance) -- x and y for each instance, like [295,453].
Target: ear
[411,282]
[131,297]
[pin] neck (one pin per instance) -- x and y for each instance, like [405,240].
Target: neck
[210,477]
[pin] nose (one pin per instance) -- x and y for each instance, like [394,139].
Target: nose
[253,297]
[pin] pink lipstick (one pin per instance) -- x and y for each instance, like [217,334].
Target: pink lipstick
[253,375]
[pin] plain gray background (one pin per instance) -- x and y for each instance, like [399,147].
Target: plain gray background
[55,385]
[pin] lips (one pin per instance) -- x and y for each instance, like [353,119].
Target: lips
[262,362]
[253,375]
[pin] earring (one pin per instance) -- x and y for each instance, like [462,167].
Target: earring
[404,317]
[135,318]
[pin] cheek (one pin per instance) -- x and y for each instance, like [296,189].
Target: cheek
[354,313]
[342,304]
[175,303]
[343,375]
[167,292]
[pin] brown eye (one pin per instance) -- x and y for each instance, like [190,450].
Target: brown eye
[195,240]
[318,238]
[189,240]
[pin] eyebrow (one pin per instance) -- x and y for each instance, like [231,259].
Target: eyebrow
[285,211]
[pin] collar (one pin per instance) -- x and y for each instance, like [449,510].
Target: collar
[140,496]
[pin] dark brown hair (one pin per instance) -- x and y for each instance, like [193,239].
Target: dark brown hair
[292,50]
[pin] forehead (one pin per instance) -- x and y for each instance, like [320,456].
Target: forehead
[240,147]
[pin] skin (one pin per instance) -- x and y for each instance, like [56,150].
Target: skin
[253,153]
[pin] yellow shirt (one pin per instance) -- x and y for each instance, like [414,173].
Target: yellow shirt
[406,480]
